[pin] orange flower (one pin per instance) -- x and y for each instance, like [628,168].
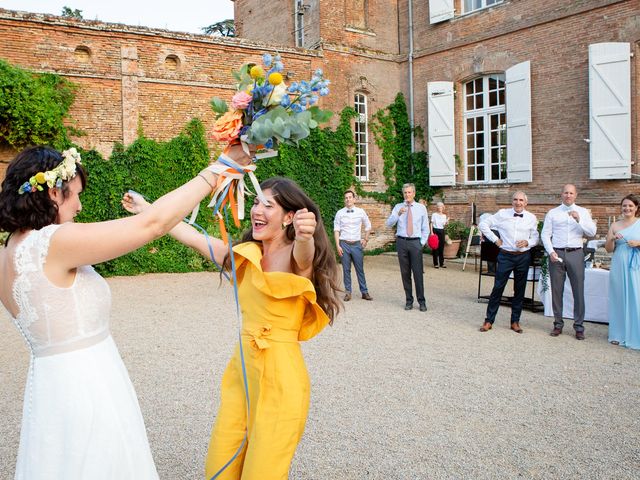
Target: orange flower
[228,126]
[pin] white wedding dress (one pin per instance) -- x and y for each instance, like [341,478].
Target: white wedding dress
[81,418]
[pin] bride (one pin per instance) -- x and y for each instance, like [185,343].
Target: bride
[81,417]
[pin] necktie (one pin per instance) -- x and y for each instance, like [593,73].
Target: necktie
[409,221]
[518,215]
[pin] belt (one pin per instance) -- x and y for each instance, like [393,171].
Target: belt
[569,249]
[349,242]
[408,238]
[509,252]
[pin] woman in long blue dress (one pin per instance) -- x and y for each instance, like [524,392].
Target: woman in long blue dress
[623,240]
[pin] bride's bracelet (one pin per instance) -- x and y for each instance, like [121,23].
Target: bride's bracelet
[207,181]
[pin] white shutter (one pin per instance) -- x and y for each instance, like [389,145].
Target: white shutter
[442,168]
[440,10]
[518,86]
[609,111]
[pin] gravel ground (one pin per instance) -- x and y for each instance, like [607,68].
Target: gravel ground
[395,394]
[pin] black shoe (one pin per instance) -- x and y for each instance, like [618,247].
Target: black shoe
[408,306]
[443,266]
[423,307]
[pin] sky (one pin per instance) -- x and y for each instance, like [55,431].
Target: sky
[183,16]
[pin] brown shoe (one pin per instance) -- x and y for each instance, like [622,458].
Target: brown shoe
[555,332]
[347,297]
[486,326]
[366,296]
[515,326]
[579,335]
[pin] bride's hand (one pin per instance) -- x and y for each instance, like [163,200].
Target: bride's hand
[238,155]
[133,202]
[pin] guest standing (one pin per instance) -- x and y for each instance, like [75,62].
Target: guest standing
[623,240]
[518,230]
[439,220]
[562,234]
[347,232]
[412,233]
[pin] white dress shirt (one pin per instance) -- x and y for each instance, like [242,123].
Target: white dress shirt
[561,230]
[438,220]
[349,222]
[420,218]
[511,228]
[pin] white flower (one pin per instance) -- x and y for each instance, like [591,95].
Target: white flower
[279,91]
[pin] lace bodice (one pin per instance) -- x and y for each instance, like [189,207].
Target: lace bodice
[54,319]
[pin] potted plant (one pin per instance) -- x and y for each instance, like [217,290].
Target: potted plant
[455,232]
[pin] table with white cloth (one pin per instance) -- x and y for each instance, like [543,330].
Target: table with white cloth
[596,296]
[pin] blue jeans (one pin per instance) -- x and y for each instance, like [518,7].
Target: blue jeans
[352,252]
[519,265]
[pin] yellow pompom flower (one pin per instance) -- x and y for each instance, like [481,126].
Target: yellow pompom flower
[256,72]
[40,178]
[275,78]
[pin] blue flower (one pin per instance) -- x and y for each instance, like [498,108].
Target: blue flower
[297,108]
[267,59]
[324,92]
[286,101]
[269,143]
[318,72]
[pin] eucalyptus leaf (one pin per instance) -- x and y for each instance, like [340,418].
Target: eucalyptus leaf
[219,106]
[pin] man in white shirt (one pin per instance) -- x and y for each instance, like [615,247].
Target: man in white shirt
[347,232]
[411,235]
[562,234]
[518,230]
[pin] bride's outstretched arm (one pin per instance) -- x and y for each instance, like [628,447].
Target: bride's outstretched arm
[186,234]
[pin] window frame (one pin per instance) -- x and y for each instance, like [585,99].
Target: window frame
[361,127]
[486,112]
[484,5]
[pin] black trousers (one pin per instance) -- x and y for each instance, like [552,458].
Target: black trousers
[410,260]
[507,263]
[438,253]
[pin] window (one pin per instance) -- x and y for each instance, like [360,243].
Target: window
[472,5]
[171,62]
[362,138]
[485,129]
[82,54]
[299,10]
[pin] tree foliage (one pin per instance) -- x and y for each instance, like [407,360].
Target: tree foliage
[71,13]
[225,28]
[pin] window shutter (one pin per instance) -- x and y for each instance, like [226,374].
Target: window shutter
[440,10]
[442,168]
[518,86]
[609,111]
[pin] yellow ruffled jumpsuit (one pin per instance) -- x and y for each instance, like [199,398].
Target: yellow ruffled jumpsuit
[279,309]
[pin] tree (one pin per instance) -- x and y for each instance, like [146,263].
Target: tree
[71,13]
[225,28]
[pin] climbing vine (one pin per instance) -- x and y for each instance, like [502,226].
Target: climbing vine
[392,133]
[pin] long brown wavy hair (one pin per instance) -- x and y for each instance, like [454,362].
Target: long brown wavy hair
[292,198]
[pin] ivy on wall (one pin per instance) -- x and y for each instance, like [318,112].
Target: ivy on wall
[33,108]
[392,133]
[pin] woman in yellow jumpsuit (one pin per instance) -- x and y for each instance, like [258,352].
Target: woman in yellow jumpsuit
[288,291]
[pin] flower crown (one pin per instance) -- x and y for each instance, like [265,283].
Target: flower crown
[265,111]
[65,171]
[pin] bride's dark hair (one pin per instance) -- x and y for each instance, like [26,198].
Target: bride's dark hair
[292,198]
[36,209]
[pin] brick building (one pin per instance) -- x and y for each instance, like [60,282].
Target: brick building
[506,91]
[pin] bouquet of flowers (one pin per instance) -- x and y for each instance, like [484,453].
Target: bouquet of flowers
[265,111]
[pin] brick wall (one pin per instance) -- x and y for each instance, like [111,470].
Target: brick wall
[130,76]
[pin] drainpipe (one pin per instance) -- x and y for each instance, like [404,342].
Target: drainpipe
[411,119]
